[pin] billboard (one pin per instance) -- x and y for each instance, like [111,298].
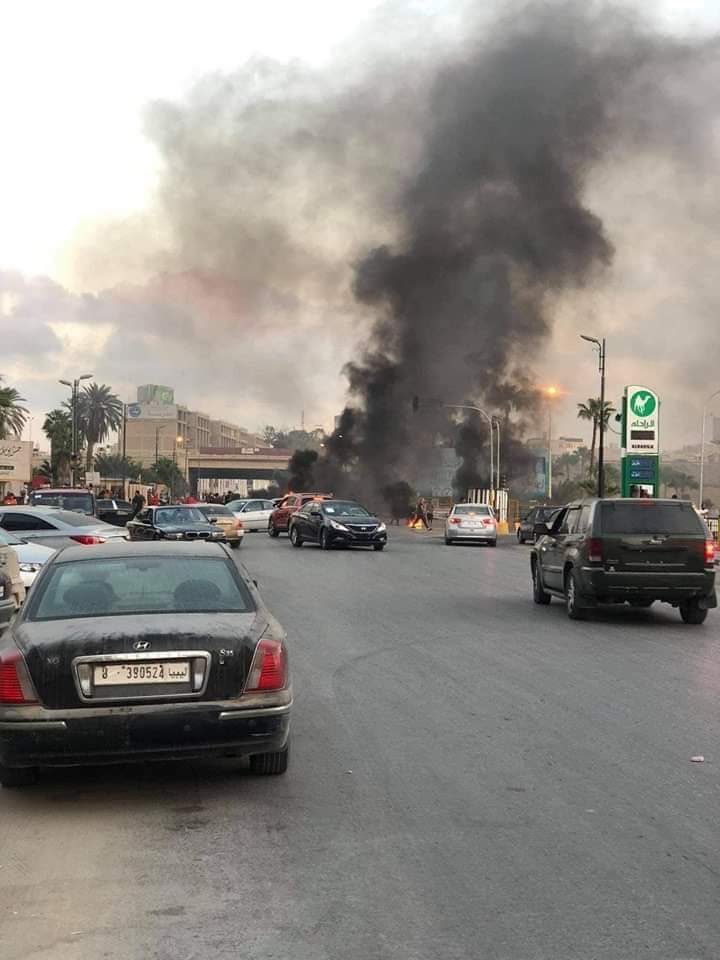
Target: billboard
[155,393]
[15,461]
[151,411]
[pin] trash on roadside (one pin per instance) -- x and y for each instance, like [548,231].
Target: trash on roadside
[698,759]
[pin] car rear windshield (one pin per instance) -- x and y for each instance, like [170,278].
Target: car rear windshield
[472,508]
[139,585]
[648,516]
[80,502]
[215,510]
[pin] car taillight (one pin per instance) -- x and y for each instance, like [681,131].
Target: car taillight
[268,670]
[87,539]
[15,684]
[595,550]
[238,525]
[710,552]
[488,523]
[455,520]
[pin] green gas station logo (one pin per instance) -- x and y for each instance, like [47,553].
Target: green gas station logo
[643,403]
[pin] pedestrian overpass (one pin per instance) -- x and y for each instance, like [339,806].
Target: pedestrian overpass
[233,463]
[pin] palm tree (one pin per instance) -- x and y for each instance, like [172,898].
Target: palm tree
[113,466]
[167,472]
[58,429]
[12,414]
[591,411]
[99,412]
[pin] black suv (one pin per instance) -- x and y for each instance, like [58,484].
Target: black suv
[625,551]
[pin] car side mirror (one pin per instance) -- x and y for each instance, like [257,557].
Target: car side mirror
[314,513]
[541,529]
[212,519]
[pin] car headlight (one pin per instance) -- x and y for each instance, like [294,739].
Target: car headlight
[29,567]
[338,526]
[381,528]
[172,536]
[217,534]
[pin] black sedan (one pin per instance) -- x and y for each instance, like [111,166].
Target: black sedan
[116,512]
[173,523]
[332,523]
[146,651]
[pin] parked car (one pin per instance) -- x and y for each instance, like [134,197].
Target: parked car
[625,551]
[332,523]
[8,607]
[178,522]
[471,521]
[143,651]
[254,514]
[31,556]
[539,514]
[56,528]
[116,512]
[279,521]
[226,520]
[65,498]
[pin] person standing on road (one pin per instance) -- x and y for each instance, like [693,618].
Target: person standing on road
[138,502]
[430,514]
[421,512]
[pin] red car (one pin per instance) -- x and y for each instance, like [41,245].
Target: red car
[280,517]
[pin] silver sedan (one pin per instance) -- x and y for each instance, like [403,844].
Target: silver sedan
[471,521]
[57,528]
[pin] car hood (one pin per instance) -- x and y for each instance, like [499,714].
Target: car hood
[33,552]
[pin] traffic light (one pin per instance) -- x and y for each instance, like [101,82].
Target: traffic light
[503,481]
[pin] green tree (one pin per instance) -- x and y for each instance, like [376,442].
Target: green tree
[57,427]
[677,480]
[13,415]
[45,470]
[115,466]
[99,412]
[591,411]
[167,472]
[612,481]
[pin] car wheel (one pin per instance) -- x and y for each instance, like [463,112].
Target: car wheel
[572,597]
[235,545]
[492,543]
[448,541]
[324,539]
[539,594]
[17,776]
[520,537]
[272,532]
[692,612]
[295,539]
[378,547]
[270,764]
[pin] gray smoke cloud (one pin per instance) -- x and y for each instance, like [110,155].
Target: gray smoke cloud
[423,214]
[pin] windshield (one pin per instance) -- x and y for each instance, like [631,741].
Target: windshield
[214,510]
[75,501]
[172,516]
[477,509]
[649,517]
[236,504]
[544,513]
[140,585]
[338,508]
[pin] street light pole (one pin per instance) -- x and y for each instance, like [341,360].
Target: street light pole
[702,445]
[470,406]
[601,347]
[549,452]
[73,417]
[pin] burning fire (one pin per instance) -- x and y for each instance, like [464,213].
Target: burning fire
[415,524]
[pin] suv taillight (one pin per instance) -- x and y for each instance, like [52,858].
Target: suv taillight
[595,550]
[269,668]
[15,684]
[710,553]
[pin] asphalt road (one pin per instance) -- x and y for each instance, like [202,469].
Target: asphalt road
[472,777]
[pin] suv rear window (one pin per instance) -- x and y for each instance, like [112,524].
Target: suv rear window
[649,516]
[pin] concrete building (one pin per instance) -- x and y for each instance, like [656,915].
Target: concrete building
[157,427]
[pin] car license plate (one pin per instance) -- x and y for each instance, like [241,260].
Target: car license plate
[171,671]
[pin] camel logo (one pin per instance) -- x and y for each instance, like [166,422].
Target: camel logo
[643,403]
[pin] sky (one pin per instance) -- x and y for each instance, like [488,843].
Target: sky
[76,79]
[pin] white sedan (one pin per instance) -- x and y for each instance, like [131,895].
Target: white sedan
[471,521]
[254,514]
[31,556]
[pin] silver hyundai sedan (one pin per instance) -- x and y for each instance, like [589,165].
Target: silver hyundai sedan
[471,521]
[57,528]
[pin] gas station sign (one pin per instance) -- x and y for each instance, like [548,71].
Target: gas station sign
[640,442]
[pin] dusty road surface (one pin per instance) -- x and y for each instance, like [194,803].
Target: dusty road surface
[472,777]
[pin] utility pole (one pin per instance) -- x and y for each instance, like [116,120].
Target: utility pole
[73,418]
[601,348]
[702,446]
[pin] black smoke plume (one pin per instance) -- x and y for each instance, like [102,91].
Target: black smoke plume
[301,470]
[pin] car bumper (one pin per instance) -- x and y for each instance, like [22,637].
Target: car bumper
[351,539]
[36,737]
[471,533]
[600,584]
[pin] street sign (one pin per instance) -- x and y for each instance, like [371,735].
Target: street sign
[640,442]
